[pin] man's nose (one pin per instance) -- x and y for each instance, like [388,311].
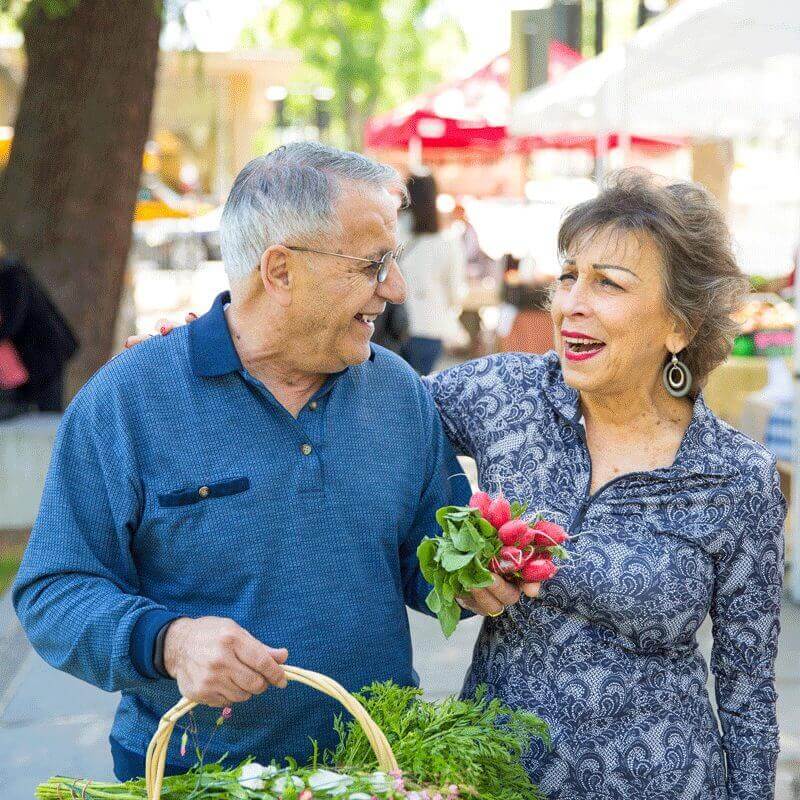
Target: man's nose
[393,289]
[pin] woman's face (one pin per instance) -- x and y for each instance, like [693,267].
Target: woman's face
[612,329]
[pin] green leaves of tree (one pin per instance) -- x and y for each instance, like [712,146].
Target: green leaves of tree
[373,53]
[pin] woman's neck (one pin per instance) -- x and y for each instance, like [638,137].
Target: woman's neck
[636,411]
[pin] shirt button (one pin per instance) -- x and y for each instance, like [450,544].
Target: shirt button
[306,449]
[312,405]
[204,491]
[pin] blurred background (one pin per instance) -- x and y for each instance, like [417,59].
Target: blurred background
[121,131]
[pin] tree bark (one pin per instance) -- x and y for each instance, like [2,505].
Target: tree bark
[68,194]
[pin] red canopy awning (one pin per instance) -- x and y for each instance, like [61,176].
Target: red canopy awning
[471,114]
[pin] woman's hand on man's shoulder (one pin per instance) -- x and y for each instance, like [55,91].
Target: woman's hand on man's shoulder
[164,327]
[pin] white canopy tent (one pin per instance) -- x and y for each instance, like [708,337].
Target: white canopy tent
[705,69]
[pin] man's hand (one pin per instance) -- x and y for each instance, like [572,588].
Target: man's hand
[492,601]
[216,662]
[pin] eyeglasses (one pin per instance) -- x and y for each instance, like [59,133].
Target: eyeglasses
[381,266]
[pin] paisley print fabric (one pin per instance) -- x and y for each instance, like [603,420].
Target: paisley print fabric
[607,654]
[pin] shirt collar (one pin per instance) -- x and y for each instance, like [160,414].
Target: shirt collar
[210,345]
[700,450]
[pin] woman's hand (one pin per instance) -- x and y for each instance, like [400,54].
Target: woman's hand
[492,601]
[164,327]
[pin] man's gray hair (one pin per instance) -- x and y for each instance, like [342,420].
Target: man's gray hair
[289,196]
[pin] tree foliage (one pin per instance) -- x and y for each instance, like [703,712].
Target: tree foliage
[372,53]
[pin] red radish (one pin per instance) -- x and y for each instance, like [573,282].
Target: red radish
[514,555]
[514,532]
[509,560]
[538,569]
[481,501]
[549,534]
[499,512]
[527,537]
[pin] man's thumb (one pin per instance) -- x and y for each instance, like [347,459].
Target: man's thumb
[280,654]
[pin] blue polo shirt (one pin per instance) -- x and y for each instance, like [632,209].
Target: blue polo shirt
[179,486]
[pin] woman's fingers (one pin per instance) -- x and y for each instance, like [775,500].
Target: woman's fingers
[164,326]
[132,341]
[482,602]
[504,592]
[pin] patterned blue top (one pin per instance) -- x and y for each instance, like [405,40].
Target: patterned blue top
[607,654]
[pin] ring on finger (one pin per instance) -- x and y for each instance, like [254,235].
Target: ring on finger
[496,613]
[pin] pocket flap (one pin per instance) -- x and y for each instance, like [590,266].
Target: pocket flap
[206,491]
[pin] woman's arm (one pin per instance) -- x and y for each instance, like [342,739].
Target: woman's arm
[469,397]
[447,389]
[745,612]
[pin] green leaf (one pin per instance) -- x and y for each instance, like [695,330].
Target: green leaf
[442,514]
[558,551]
[518,509]
[466,538]
[434,601]
[426,553]
[475,576]
[449,616]
[486,528]
[438,580]
[448,592]
[453,560]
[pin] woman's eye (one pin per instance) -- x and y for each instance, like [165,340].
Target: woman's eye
[566,277]
[607,282]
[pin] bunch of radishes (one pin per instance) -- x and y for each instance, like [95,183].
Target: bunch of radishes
[526,549]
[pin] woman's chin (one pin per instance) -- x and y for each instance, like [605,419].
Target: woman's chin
[581,375]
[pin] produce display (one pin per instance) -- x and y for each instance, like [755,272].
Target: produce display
[765,312]
[486,538]
[767,327]
[448,750]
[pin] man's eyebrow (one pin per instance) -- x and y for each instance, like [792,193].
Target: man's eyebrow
[571,262]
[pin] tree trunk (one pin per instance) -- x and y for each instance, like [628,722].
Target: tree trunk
[68,194]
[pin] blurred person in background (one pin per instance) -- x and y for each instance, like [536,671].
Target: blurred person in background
[433,266]
[478,264]
[391,328]
[39,334]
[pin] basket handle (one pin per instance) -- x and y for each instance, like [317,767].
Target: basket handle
[157,750]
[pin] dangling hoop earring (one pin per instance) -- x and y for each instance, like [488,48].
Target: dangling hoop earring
[677,378]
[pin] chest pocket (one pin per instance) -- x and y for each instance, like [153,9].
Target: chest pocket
[203,493]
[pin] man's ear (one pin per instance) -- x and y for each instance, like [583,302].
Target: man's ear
[276,274]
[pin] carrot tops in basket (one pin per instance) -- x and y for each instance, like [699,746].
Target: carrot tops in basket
[448,750]
[486,538]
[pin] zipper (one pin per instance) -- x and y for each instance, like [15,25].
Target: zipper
[580,514]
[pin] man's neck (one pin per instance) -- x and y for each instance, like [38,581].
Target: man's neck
[262,346]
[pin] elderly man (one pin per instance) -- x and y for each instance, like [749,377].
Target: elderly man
[253,485]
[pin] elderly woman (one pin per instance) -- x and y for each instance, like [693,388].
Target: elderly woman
[673,514]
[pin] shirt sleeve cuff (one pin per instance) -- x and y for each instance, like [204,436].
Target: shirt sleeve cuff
[143,639]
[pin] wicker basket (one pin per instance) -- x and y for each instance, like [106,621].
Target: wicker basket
[157,751]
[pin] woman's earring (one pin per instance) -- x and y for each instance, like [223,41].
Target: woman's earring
[677,378]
